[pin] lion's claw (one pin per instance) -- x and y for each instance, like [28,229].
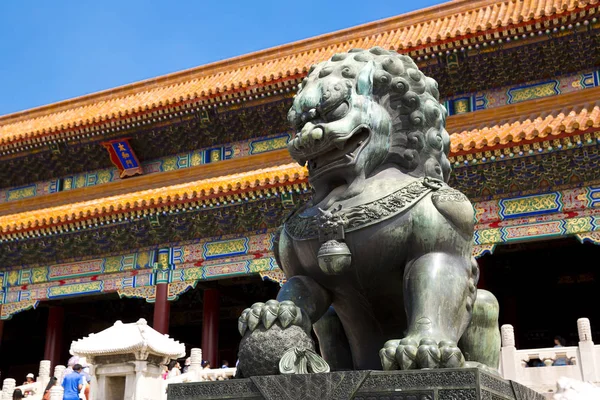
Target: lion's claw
[286,312]
[269,314]
[451,357]
[427,353]
[406,354]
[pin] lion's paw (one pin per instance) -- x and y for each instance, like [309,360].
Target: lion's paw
[411,353]
[266,314]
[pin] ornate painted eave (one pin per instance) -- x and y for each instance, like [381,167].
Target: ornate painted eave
[575,115]
[445,27]
[160,180]
[546,120]
[230,188]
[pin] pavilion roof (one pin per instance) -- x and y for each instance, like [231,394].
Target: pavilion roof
[423,29]
[128,338]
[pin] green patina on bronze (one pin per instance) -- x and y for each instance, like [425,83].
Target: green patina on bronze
[384,245]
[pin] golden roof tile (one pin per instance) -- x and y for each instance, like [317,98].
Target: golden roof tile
[403,33]
[154,198]
[565,114]
[527,128]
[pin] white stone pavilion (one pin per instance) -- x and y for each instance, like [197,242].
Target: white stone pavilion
[125,361]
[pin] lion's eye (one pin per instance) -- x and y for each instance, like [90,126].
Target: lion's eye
[338,112]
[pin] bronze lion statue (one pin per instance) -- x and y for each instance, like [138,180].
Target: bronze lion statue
[379,261]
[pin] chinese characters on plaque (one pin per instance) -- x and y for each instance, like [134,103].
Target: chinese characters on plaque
[123,157]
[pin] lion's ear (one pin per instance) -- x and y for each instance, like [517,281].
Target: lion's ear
[364,84]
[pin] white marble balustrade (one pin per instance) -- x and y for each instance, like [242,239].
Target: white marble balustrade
[584,360]
[197,374]
[9,385]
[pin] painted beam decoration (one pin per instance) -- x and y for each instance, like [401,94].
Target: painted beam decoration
[571,212]
[123,157]
[136,274]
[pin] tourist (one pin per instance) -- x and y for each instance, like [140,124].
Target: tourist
[49,387]
[174,369]
[186,366]
[87,379]
[29,379]
[560,342]
[165,372]
[205,364]
[72,361]
[17,394]
[225,364]
[73,383]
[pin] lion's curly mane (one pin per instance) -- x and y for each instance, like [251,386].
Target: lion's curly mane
[418,141]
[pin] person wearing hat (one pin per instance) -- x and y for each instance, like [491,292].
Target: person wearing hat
[29,379]
[73,383]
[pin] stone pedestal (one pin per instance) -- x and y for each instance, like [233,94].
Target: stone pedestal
[445,384]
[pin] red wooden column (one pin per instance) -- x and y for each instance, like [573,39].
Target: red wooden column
[210,327]
[162,307]
[483,269]
[54,328]
[1,329]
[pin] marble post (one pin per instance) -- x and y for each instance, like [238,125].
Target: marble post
[196,362]
[210,326]
[58,372]
[8,387]
[508,352]
[56,393]
[44,374]
[54,328]
[587,352]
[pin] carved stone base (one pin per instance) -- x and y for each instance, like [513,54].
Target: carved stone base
[446,384]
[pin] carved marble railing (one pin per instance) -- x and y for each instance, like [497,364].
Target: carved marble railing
[9,384]
[583,360]
[197,374]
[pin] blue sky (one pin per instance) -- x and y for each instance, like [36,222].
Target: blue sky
[55,50]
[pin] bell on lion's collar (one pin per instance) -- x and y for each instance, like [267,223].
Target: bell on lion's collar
[334,257]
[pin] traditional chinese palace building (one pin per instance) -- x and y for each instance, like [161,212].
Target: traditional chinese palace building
[159,199]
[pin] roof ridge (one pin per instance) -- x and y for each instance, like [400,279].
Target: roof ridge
[378,26]
[430,27]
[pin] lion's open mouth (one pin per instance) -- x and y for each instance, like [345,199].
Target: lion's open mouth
[342,153]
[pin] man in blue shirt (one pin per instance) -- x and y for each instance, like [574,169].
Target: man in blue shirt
[73,383]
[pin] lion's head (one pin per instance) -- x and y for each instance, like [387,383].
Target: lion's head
[366,108]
